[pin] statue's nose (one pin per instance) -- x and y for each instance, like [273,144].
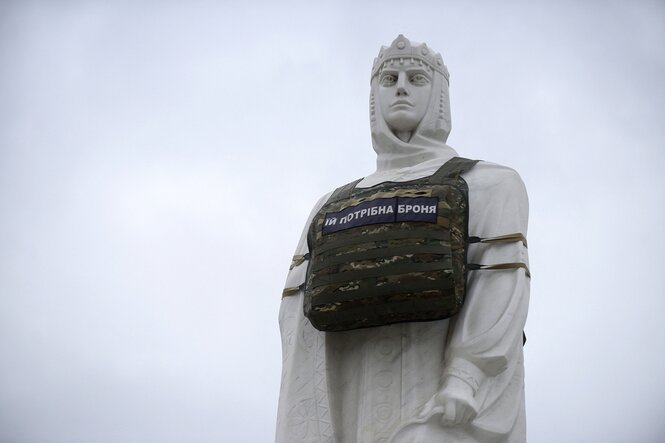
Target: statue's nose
[401,84]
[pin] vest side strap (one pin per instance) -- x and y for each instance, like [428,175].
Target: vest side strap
[499,266]
[298,260]
[287,292]
[508,238]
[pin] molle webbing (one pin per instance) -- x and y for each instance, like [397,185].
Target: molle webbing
[443,235]
[406,263]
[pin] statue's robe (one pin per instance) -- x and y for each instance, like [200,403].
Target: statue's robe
[371,385]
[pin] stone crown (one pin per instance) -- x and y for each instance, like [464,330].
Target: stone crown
[401,48]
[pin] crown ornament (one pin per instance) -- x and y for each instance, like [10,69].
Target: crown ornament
[402,50]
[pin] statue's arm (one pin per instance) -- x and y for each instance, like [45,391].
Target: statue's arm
[298,354]
[486,337]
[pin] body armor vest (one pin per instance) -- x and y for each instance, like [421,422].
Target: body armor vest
[390,253]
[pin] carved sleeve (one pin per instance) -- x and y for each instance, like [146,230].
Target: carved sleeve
[486,336]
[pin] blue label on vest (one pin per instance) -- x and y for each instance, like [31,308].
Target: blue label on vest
[383,210]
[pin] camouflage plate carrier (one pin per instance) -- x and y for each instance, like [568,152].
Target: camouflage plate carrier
[391,253]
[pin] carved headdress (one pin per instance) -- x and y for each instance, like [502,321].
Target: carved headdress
[428,141]
[402,49]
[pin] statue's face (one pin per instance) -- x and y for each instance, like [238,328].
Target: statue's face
[404,95]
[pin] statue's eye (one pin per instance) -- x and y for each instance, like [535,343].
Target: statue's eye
[419,79]
[388,80]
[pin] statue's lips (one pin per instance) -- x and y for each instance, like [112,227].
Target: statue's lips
[402,103]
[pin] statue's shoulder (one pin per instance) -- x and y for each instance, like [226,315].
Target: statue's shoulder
[321,201]
[487,174]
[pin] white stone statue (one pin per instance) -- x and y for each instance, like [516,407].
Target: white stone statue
[454,380]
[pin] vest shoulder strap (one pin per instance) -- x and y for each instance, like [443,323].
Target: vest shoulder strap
[453,168]
[343,191]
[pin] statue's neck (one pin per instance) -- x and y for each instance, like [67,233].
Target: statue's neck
[387,162]
[405,136]
[407,155]
[408,163]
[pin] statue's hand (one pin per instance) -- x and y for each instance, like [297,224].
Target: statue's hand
[459,405]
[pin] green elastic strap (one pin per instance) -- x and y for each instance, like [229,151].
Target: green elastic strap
[298,260]
[287,292]
[508,238]
[499,266]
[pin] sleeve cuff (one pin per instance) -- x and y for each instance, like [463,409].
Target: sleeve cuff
[465,371]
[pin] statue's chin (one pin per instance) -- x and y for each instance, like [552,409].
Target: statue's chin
[402,124]
[401,128]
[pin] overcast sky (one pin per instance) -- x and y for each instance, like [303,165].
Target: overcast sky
[158,161]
